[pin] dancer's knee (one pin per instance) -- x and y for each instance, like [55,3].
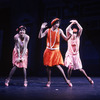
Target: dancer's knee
[70,67]
[81,70]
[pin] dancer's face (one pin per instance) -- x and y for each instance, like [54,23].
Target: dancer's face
[57,25]
[75,31]
[22,32]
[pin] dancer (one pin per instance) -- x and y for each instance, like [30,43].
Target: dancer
[72,56]
[52,55]
[20,54]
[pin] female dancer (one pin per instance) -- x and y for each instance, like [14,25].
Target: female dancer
[20,54]
[52,55]
[72,57]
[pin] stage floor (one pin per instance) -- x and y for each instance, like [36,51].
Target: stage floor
[59,90]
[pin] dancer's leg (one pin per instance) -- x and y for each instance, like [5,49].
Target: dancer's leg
[89,79]
[62,71]
[49,76]
[69,72]
[25,77]
[10,75]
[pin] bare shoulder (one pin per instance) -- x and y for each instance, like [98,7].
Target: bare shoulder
[27,37]
[16,36]
[79,34]
[47,30]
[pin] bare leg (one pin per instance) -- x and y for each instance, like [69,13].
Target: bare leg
[10,75]
[69,72]
[25,77]
[89,79]
[49,76]
[62,71]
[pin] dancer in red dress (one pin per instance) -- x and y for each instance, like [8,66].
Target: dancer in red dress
[52,55]
[20,54]
[72,57]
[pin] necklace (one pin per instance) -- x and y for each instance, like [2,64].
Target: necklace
[51,40]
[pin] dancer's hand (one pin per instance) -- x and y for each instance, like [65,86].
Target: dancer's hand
[18,59]
[44,25]
[73,21]
[21,59]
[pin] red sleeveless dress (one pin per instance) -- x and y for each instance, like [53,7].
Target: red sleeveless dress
[52,55]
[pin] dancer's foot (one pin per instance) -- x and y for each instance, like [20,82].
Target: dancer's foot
[48,84]
[69,83]
[90,80]
[6,82]
[25,83]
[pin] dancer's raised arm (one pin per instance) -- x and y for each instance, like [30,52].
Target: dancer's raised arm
[41,33]
[66,38]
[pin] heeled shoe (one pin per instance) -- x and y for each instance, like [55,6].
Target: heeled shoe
[6,82]
[48,84]
[25,83]
[69,83]
[90,80]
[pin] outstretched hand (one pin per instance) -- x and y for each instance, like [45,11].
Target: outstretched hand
[44,25]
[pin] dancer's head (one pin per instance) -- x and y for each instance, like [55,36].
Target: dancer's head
[55,22]
[21,29]
[75,31]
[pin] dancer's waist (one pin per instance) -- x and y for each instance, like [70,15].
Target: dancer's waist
[52,48]
[55,47]
[72,53]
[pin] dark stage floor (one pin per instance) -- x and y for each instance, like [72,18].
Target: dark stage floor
[59,90]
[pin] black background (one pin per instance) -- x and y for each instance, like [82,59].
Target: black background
[32,13]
